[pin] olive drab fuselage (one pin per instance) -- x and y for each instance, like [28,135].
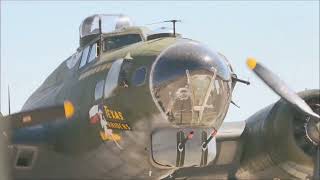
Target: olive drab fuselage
[130,97]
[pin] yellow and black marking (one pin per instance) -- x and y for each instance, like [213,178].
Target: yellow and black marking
[108,137]
[117,125]
[115,119]
[112,114]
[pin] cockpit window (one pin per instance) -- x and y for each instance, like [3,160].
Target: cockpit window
[115,42]
[109,23]
[112,78]
[90,53]
[93,53]
[98,92]
[74,59]
[84,57]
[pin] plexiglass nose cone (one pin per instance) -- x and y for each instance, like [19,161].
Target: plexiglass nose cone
[191,84]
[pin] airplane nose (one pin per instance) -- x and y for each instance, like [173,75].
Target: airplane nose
[191,85]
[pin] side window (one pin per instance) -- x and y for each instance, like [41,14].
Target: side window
[84,57]
[112,78]
[93,53]
[74,59]
[139,76]
[98,92]
[124,73]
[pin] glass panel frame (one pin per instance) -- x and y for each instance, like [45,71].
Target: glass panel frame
[84,57]
[99,89]
[112,79]
[93,53]
[74,59]
[139,82]
[115,42]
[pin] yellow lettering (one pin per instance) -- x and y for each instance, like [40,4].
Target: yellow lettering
[111,113]
[120,116]
[127,126]
[118,125]
[116,115]
[107,111]
[111,125]
[106,137]
[114,125]
[124,126]
[110,116]
[103,135]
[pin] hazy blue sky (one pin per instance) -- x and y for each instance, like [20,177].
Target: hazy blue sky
[37,36]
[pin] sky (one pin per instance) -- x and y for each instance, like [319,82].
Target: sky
[37,36]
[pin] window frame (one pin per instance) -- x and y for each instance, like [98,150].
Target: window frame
[144,79]
[85,62]
[112,78]
[96,53]
[118,35]
[88,61]
[102,83]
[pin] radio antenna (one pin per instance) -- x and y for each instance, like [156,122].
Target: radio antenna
[173,21]
[9,103]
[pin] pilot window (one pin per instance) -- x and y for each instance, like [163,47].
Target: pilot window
[84,57]
[115,42]
[139,76]
[74,59]
[93,53]
[98,92]
[112,78]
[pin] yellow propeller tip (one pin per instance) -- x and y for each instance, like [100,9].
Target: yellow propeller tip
[68,109]
[251,63]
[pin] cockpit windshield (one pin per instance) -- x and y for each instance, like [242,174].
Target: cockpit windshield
[119,41]
[109,23]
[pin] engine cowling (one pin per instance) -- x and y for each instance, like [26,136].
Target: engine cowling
[277,141]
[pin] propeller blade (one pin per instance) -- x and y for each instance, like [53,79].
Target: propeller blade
[41,115]
[280,88]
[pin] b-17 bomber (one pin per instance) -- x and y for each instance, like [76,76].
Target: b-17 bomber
[132,103]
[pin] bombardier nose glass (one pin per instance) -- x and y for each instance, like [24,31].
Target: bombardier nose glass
[191,85]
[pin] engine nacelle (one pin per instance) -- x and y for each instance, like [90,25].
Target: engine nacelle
[276,141]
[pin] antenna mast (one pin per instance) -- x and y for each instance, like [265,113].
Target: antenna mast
[173,21]
[0,78]
[9,103]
